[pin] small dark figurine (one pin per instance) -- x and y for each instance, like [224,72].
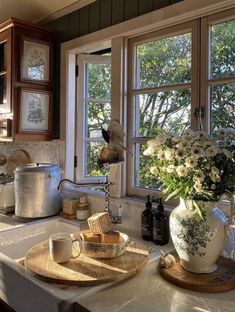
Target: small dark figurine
[114,136]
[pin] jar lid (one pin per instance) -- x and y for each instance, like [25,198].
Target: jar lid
[37,167]
[82,206]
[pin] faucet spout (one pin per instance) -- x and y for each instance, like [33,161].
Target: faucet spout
[84,184]
[105,184]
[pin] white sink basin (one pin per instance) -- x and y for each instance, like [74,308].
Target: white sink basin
[15,242]
[17,283]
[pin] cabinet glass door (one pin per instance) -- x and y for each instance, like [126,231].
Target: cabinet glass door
[3,99]
[4,69]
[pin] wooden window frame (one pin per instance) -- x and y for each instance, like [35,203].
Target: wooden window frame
[191,27]
[206,82]
[81,138]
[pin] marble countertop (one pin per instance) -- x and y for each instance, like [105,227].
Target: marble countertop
[148,291]
[7,222]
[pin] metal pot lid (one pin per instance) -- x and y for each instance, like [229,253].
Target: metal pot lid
[37,167]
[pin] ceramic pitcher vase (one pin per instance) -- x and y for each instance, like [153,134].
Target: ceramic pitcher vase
[198,242]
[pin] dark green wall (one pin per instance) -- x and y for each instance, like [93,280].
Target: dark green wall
[101,14]
[95,16]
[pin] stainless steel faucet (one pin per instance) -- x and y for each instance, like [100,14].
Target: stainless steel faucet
[105,185]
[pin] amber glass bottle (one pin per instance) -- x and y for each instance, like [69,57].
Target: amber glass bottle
[147,221]
[160,225]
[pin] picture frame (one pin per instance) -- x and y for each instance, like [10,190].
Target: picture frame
[35,110]
[35,60]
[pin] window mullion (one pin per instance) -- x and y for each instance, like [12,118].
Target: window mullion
[98,101]
[87,140]
[195,90]
[204,73]
[218,81]
[178,86]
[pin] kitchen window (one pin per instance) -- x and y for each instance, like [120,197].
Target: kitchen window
[180,78]
[199,76]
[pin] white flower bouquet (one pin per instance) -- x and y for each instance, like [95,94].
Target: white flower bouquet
[194,166]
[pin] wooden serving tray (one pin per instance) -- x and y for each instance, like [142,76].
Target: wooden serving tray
[219,281]
[85,271]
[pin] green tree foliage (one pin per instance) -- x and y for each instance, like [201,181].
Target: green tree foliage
[223,65]
[97,114]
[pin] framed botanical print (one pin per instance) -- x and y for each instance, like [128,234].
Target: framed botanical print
[34,111]
[35,61]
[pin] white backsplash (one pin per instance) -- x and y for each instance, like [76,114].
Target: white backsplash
[42,152]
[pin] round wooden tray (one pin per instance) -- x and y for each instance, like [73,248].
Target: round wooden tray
[85,271]
[219,281]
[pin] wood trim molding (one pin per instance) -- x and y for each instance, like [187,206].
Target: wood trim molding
[168,16]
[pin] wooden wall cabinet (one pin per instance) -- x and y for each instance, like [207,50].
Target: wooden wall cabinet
[26,81]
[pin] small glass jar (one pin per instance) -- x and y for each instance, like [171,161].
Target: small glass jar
[82,212]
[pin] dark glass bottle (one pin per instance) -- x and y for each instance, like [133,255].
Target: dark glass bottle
[160,225]
[147,221]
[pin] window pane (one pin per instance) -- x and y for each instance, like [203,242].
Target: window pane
[163,62]
[143,177]
[92,152]
[169,111]
[98,81]
[222,106]
[222,49]
[97,115]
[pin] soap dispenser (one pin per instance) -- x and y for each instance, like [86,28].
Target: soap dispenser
[160,225]
[147,221]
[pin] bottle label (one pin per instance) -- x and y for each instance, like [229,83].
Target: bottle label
[160,231]
[157,235]
[146,229]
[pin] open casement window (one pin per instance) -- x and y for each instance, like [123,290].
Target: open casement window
[218,70]
[93,113]
[163,94]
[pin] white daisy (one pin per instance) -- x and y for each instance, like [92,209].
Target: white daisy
[211,151]
[198,187]
[215,170]
[161,155]
[154,170]
[199,177]
[182,171]
[180,153]
[169,155]
[197,151]
[191,162]
[171,169]
[215,177]
[150,151]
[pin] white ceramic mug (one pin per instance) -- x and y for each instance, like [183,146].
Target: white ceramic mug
[61,247]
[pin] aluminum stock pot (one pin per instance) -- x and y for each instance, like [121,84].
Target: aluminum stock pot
[36,191]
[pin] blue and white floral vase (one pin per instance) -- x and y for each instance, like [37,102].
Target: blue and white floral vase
[198,242]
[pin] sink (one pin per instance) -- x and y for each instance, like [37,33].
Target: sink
[16,282]
[15,242]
